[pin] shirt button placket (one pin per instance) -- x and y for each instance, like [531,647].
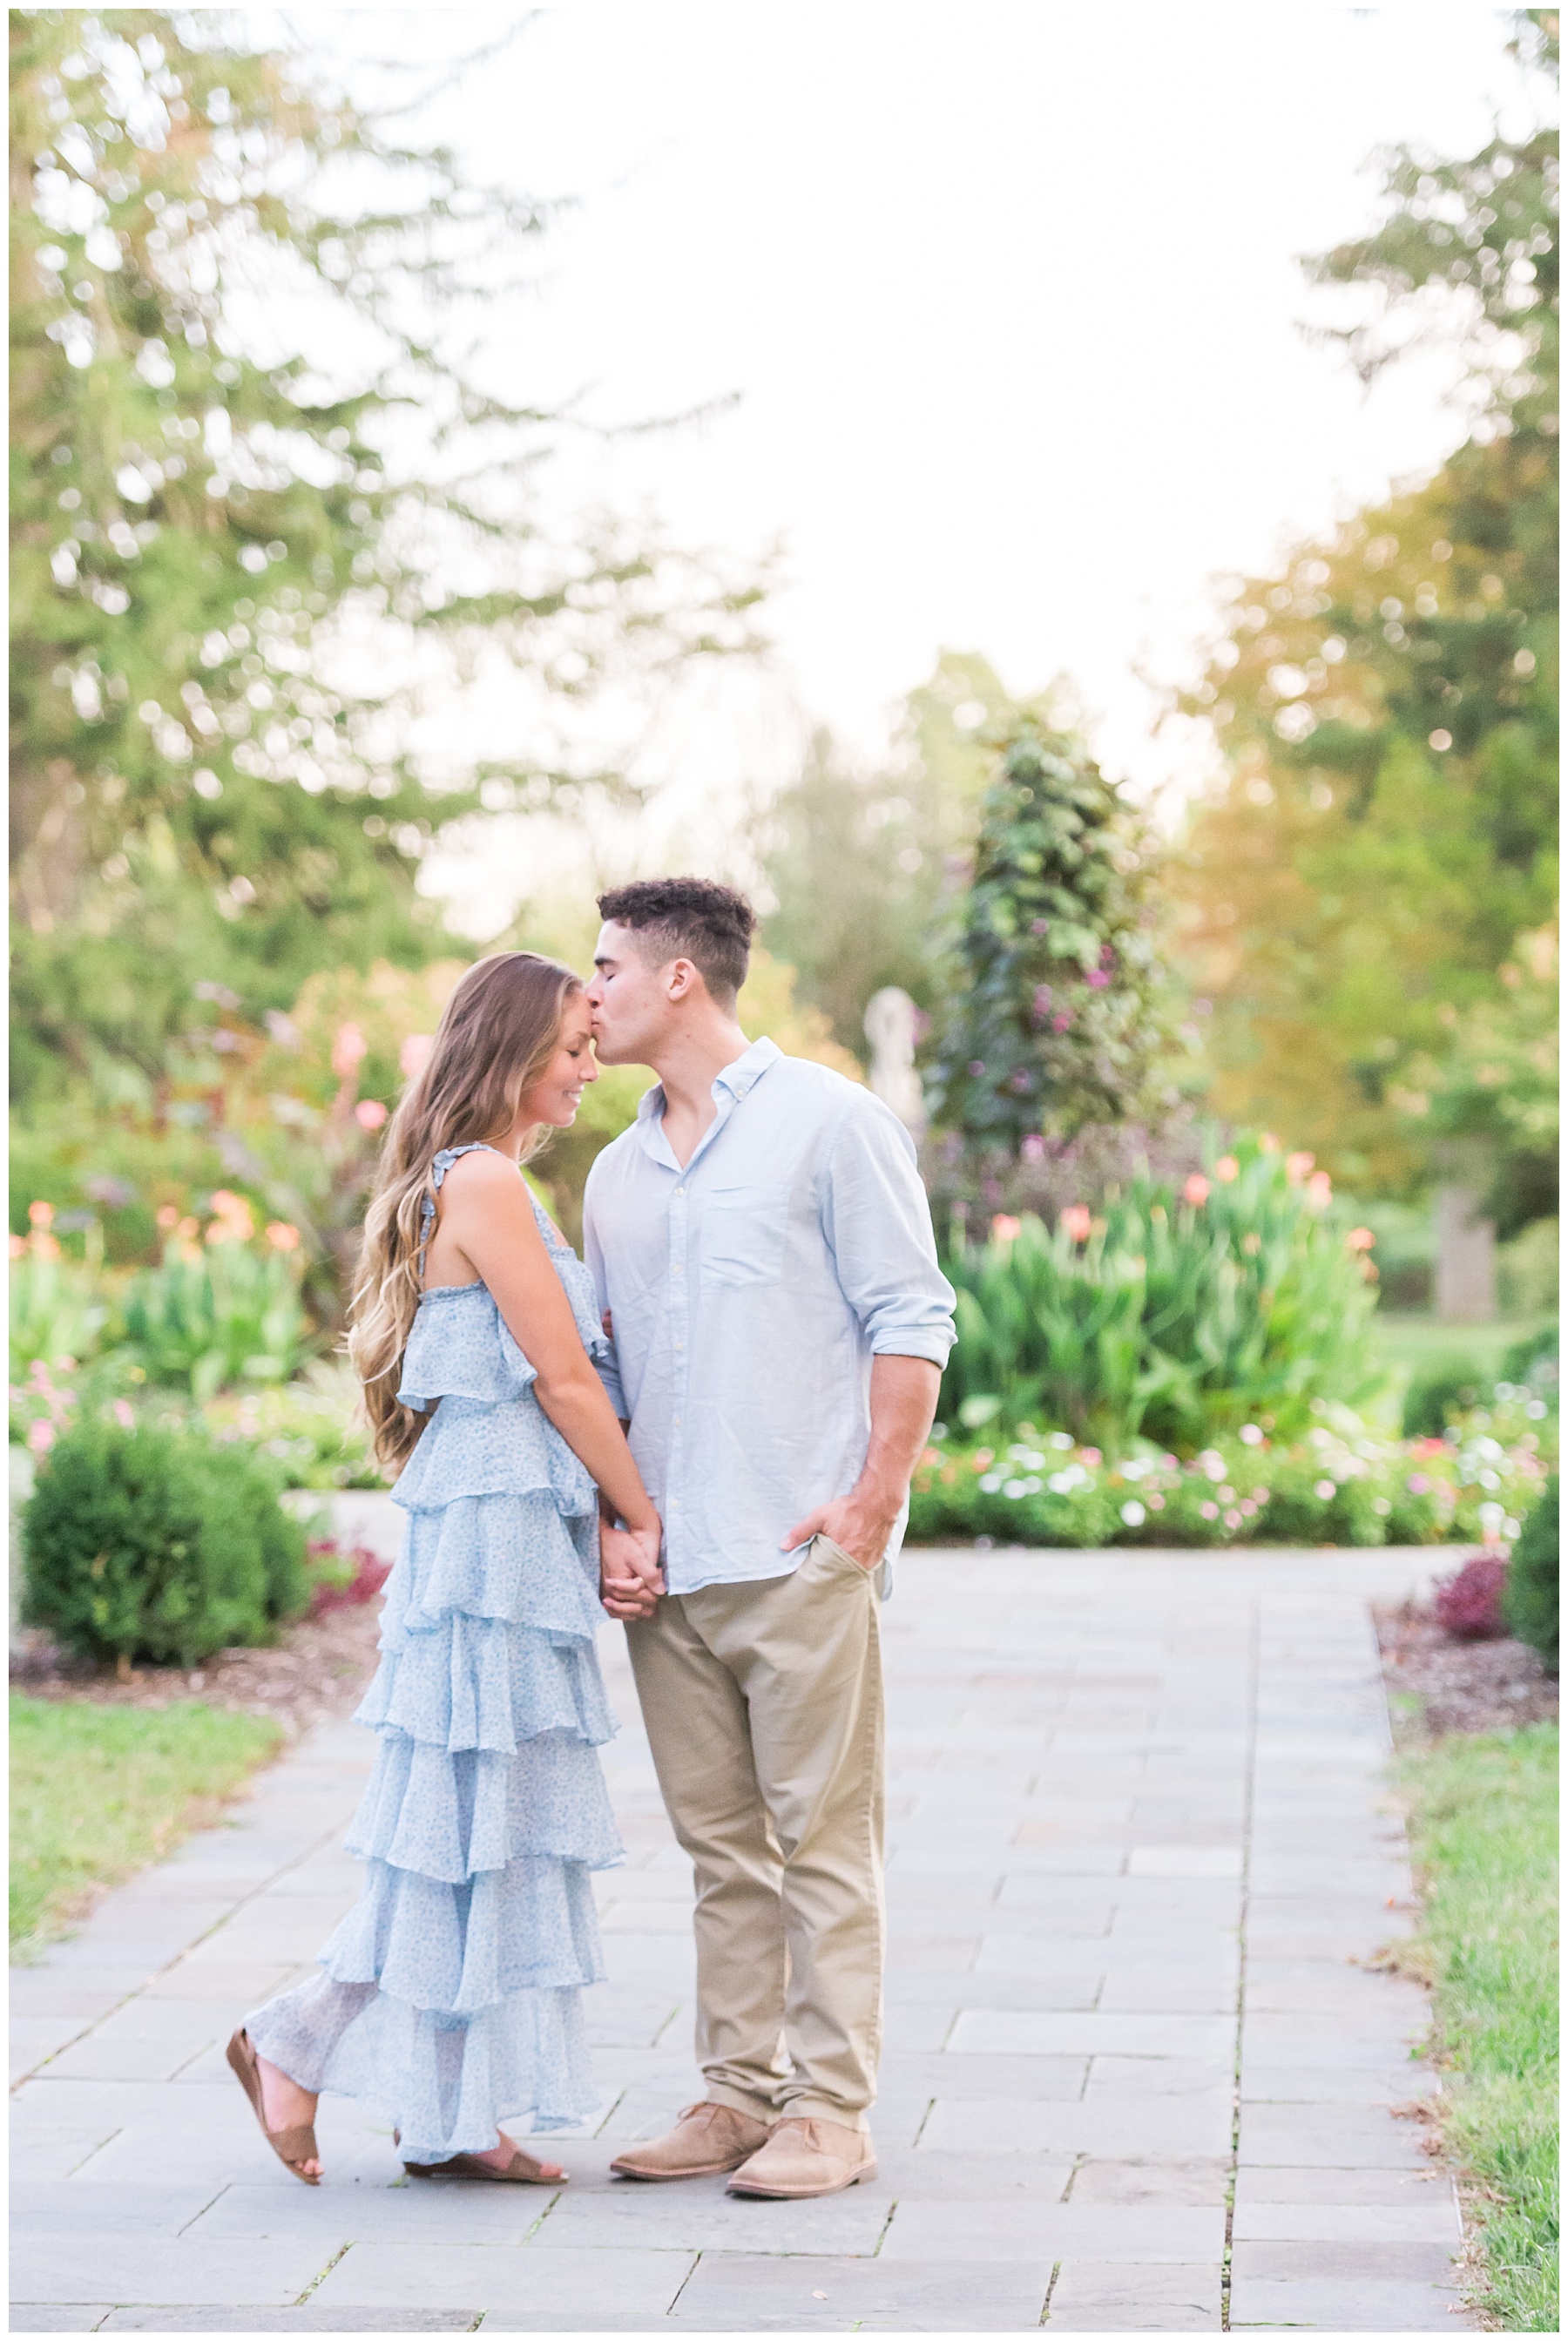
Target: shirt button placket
[678,1315]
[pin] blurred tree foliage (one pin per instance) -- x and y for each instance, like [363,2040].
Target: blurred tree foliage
[244,478]
[1362,893]
[869,868]
[1054,1021]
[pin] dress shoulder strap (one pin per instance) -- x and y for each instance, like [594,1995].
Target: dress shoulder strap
[440,1166]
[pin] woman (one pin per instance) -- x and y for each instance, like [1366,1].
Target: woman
[450,1995]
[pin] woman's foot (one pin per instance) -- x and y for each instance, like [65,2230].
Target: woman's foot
[286,2106]
[500,2158]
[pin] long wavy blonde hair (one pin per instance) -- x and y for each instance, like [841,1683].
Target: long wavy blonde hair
[501,1030]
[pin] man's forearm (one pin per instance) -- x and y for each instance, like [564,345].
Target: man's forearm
[903,1408]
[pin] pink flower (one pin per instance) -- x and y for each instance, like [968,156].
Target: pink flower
[1360,1240]
[1092,1455]
[232,1223]
[282,1236]
[1097,979]
[168,1215]
[1208,1511]
[1156,1503]
[1033,1148]
[348,1049]
[1196,1189]
[369,1113]
[1419,1484]
[1226,1169]
[1005,1228]
[1233,1519]
[1296,1167]
[124,1415]
[40,1215]
[40,1437]
[1078,1219]
[414,1054]
[1060,1022]
[1320,1191]
[1324,1490]
[18,1246]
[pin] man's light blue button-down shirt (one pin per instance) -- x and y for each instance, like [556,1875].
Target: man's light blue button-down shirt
[750,1292]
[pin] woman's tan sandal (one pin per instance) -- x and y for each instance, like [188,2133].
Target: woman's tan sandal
[291,2145]
[520,2171]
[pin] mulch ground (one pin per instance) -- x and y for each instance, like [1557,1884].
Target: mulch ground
[1490,1686]
[317,1671]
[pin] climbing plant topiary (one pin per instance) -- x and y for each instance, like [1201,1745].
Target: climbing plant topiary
[1055,1020]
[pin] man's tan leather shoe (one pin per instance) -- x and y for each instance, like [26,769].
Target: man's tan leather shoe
[706,2139]
[804,2156]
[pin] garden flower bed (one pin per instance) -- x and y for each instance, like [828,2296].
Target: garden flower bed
[1340,1483]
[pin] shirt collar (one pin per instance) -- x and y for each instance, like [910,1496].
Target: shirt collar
[748,1070]
[736,1079]
[732,1084]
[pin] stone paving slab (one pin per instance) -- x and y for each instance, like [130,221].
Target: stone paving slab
[1140,1838]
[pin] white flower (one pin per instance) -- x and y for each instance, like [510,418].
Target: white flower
[990,1483]
[1250,1435]
[1133,1515]
[1326,1488]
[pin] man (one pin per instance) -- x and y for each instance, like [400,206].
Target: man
[763,1244]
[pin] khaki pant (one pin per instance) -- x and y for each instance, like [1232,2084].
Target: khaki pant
[763,1704]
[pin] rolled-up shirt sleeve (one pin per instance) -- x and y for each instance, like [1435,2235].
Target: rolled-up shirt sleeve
[877,1223]
[605,1363]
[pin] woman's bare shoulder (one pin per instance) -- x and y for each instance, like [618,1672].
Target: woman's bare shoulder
[487,1178]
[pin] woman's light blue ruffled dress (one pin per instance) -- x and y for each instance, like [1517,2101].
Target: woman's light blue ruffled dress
[450,1997]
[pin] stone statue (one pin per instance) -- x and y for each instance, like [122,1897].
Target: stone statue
[890,1016]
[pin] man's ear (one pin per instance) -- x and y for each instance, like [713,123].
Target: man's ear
[684,978]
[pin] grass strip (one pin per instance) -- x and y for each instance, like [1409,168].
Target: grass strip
[97,1792]
[1483,1818]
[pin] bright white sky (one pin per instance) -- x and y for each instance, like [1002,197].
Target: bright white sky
[1006,292]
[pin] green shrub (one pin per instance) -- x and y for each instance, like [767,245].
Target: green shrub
[1531,1364]
[145,1543]
[1451,1387]
[1177,1317]
[1530,1598]
[231,1314]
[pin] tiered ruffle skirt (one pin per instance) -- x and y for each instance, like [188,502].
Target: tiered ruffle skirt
[448,1997]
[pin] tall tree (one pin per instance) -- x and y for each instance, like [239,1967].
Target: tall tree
[244,476]
[1357,886]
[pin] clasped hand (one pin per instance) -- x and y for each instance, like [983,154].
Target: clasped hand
[629,1579]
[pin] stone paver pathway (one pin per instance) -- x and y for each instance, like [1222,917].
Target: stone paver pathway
[1136,2075]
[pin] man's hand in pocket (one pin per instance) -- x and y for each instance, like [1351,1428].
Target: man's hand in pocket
[860,1522]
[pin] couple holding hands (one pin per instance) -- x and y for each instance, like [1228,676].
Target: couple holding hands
[708,1430]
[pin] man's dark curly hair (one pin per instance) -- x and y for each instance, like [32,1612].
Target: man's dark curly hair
[689,918]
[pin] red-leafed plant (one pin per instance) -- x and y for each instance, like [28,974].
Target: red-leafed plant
[1470,1604]
[344,1579]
